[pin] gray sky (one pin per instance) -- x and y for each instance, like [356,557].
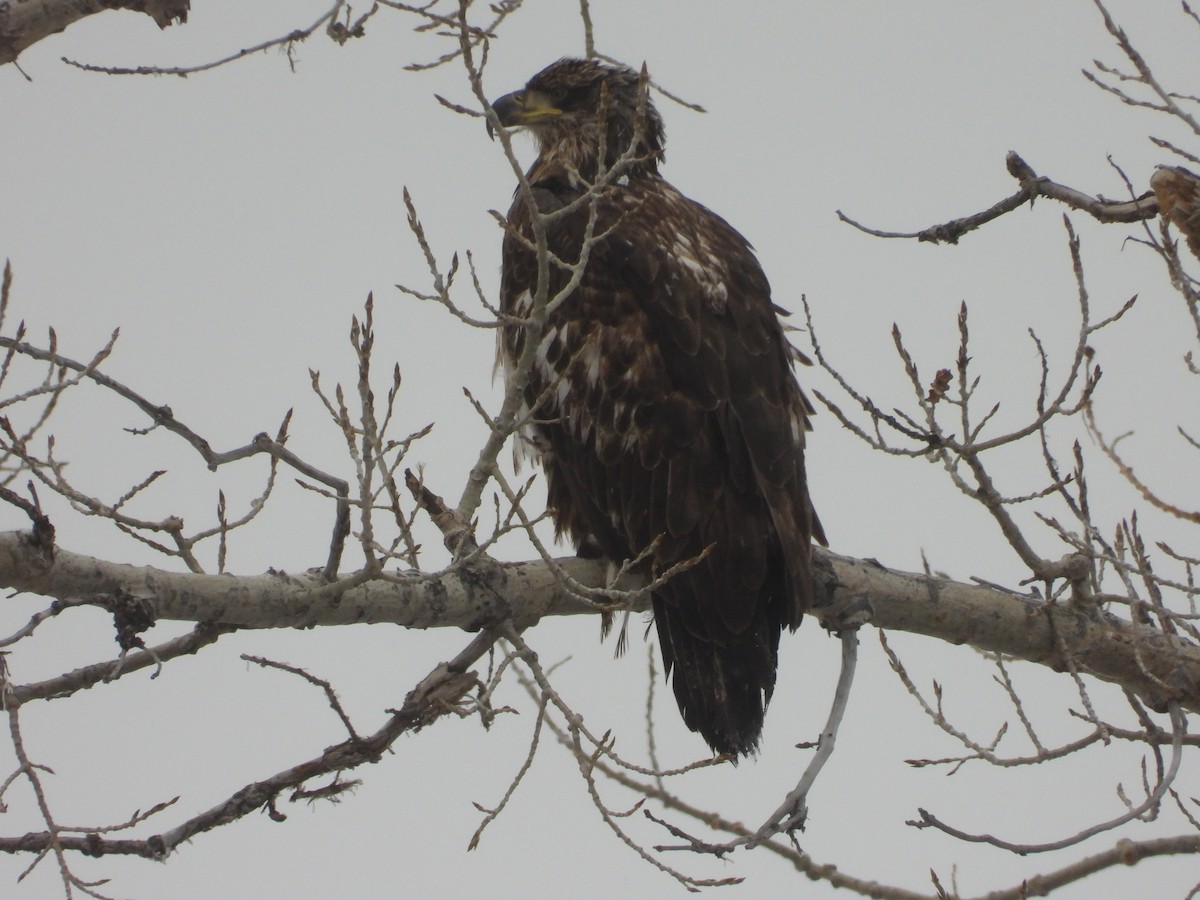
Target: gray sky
[232,222]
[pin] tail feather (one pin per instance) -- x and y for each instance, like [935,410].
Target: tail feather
[722,688]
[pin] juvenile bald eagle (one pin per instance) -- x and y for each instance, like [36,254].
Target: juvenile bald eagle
[664,407]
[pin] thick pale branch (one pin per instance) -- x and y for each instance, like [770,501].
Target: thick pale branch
[462,598]
[1157,667]
[24,24]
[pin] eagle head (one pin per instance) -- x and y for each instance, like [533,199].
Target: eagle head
[575,106]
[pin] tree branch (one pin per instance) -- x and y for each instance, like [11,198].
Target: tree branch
[1032,187]
[437,694]
[1157,667]
[25,23]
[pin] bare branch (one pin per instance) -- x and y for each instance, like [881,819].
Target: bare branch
[287,42]
[24,24]
[1032,187]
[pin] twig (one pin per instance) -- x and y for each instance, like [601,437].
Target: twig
[1178,728]
[334,703]
[793,812]
[287,41]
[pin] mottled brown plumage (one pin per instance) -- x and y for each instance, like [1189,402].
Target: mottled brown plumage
[1178,192]
[664,403]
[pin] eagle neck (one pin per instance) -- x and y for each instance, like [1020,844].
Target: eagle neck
[578,152]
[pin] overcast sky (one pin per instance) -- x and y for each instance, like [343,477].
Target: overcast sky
[232,223]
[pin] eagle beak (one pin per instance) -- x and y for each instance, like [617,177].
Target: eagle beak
[522,108]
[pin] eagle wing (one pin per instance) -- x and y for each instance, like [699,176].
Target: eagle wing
[667,415]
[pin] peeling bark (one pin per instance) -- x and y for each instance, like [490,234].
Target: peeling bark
[1156,666]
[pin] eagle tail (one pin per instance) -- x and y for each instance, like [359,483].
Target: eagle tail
[722,688]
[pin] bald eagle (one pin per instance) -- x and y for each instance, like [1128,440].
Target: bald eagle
[661,400]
